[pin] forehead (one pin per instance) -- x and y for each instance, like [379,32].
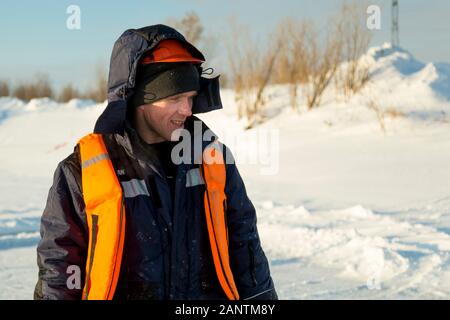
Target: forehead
[167,99]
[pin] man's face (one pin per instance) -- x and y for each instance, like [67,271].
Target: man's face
[166,115]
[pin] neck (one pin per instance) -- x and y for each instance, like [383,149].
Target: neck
[145,132]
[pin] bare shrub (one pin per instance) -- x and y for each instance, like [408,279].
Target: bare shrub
[189,25]
[192,29]
[251,67]
[4,89]
[322,62]
[355,38]
[39,88]
[308,58]
[314,59]
[292,63]
[68,93]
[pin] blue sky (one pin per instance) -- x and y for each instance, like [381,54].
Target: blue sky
[34,37]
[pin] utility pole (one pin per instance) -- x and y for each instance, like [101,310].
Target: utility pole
[395,41]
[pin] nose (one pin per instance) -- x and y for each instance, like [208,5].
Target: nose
[185,108]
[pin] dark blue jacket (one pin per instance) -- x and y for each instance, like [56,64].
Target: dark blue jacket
[166,253]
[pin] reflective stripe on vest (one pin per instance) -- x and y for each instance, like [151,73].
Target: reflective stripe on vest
[105,212]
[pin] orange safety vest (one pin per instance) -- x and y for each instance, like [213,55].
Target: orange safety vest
[105,211]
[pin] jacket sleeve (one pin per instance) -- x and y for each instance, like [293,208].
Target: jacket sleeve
[62,250]
[247,259]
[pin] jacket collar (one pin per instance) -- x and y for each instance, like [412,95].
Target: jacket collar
[136,148]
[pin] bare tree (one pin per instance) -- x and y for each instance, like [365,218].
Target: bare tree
[4,89]
[292,67]
[43,86]
[355,38]
[40,88]
[21,91]
[314,60]
[251,68]
[68,93]
[238,35]
[323,61]
[190,26]
[263,72]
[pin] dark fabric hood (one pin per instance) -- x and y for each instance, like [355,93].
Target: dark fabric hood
[126,53]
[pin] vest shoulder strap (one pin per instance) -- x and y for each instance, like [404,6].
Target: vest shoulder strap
[105,213]
[214,175]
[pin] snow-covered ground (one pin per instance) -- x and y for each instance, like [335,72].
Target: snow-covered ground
[345,209]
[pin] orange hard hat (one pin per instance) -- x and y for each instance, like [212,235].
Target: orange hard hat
[169,51]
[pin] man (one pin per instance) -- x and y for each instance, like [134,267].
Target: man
[123,210]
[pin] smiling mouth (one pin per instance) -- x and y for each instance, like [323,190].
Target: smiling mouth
[177,123]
